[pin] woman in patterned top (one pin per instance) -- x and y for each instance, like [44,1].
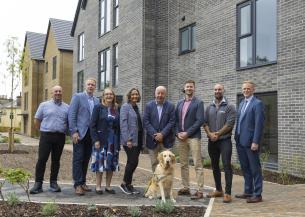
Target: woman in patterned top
[105,134]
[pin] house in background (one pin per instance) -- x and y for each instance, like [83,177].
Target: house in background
[47,61]
[32,80]
[58,57]
[146,43]
[5,112]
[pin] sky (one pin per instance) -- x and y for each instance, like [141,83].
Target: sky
[19,16]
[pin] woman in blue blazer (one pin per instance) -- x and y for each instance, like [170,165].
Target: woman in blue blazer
[105,134]
[131,137]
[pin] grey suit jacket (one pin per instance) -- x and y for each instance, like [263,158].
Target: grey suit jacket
[193,120]
[128,125]
[79,116]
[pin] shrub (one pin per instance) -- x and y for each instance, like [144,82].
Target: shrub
[12,198]
[18,176]
[91,209]
[134,211]
[49,209]
[2,181]
[164,207]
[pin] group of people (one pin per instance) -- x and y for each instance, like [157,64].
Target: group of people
[99,129]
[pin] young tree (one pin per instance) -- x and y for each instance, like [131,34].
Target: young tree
[13,63]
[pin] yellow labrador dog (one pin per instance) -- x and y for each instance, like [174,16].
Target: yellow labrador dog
[161,183]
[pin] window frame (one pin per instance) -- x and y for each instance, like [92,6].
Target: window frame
[115,21]
[115,65]
[81,47]
[191,39]
[80,83]
[104,70]
[47,67]
[105,18]
[252,33]
[54,66]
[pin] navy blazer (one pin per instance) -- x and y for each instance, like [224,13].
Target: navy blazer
[165,126]
[79,114]
[193,120]
[99,126]
[251,124]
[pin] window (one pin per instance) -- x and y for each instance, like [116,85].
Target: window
[187,39]
[81,47]
[104,69]
[80,81]
[115,72]
[26,101]
[270,133]
[115,13]
[104,17]
[46,94]
[256,33]
[26,76]
[54,67]
[47,67]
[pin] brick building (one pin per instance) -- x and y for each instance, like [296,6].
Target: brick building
[146,43]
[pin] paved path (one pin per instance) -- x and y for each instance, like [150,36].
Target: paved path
[279,200]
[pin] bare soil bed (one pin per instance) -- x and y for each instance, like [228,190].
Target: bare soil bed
[35,210]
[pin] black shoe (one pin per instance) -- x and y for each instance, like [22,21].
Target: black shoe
[54,187]
[37,188]
[132,189]
[110,191]
[124,188]
[99,191]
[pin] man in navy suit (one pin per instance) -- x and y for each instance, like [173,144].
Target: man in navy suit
[159,122]
[248,134]
[189,119]
[79,116]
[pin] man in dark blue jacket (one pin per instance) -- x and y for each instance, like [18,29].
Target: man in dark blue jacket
[248,134]
[189,119]
[159,122]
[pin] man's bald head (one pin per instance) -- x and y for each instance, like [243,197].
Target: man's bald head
[57,93]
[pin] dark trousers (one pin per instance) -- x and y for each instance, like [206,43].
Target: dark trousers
[251,168]
[81,156]
[224,148]
[49,143]
[132,163]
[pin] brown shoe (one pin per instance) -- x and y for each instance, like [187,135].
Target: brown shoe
[184,191]
[243,196]
[198,195]
[86,188]
[215,194]
[227,198]
[79,190]
[255,199]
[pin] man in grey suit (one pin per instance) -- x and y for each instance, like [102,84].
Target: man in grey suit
[189,118]
[79,116]
[159,122]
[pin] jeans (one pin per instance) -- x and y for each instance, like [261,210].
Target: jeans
[224,148]
[132,163]
[49,143]
[81,156]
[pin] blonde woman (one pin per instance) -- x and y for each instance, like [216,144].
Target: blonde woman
[105,134]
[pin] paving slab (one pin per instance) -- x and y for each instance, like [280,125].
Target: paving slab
[67,195]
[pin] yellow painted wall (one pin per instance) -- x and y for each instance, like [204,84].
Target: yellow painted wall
[33,71]
[5,121]
[63,68]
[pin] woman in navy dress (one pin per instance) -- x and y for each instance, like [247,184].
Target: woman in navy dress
[105,134]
